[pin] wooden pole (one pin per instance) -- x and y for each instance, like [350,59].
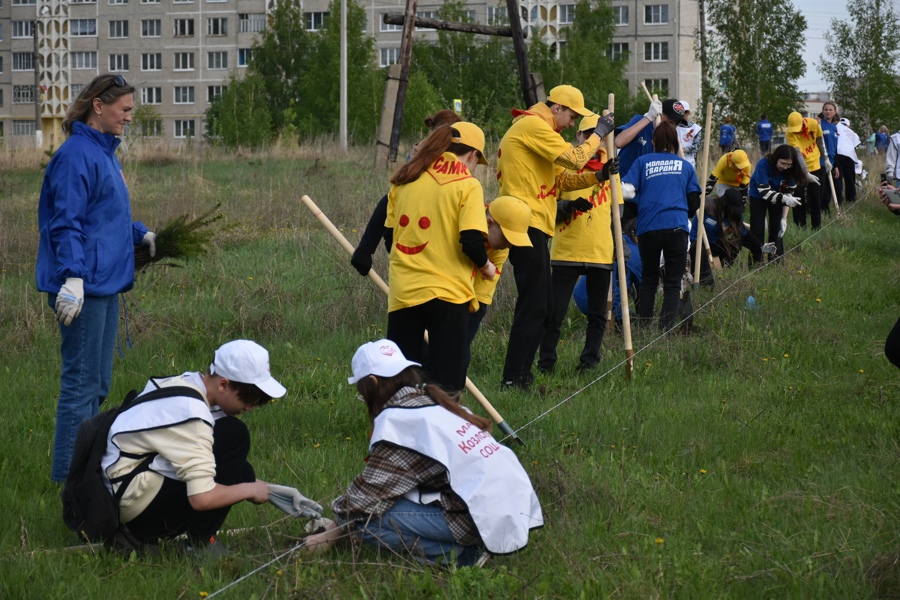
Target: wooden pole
[834,193]
[379,282]
[405,59]
[518,38]
[701,230]
[425,22]
[615,189]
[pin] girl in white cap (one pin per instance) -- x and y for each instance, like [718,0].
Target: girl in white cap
[436,483]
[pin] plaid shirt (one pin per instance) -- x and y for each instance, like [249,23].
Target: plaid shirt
[392,471]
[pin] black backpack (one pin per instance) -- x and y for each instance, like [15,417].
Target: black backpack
[88,508]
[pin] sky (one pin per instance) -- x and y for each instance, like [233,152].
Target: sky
[818,15]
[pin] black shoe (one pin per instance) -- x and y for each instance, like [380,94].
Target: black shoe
[516,383]
[584,367]
[124,543]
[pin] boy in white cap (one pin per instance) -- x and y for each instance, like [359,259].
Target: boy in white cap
[689,135]
[535,163]
[183,459]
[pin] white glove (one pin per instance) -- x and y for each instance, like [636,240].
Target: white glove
[69,300]
[627,191]
[790,201]
[150,240]
[827,164]
[292,502]
[782,229]
[654,111]
[769,248]
[812,178]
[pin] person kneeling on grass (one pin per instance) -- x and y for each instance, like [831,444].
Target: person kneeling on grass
[197,449]
[436,483]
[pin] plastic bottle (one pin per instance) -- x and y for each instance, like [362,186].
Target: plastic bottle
[750,304]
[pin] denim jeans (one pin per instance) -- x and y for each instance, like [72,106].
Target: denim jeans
[420,529]
[87,356]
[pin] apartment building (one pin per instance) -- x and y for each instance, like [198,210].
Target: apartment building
[179,53]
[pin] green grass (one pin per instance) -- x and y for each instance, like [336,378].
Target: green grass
[757,459]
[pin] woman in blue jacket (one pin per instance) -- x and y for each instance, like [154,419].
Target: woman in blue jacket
[772,187]
[86,251]
[665,189]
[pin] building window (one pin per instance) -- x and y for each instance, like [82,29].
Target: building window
[217,60]
[427,14]
[150,128]
[23,94]
[149,1]
[245,55]
[151,61]
[658,86]
[566,13]
[79,2]
[23,128]
[497,15]
[151,27]
[22,29]
[184,94]
[23,61]
[151,95]
[75,89]
[83,27]
[617,51]
[184,61]
[118,29]
[314,21]
[252,22]
[620,15]
[656,51]
[23,2]
[1,32]
[184,128]
[1,104]
[217,26]
[84,60]
[118,1]
[118,62]
[386,27]
[656,14]
[1,64]
[184,28]
[182,1]
[389,56]
[214,92]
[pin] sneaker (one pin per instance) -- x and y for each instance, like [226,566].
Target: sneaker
[204,549]
[517,383]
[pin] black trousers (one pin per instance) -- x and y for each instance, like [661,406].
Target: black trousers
[673,244]
[446,358]
[531,270]
[475,319]
[170,513]
[811,202]
[759,210]
[892,345]
[848,175]
[564,279]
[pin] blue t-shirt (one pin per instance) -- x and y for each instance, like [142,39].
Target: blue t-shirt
[830,136]
[641,144]
[726,134]
[764,130]
[767,174]
[662,181]
[711,224]
[881,141]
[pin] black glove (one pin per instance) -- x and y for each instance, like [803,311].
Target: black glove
[745,191]
[361,261]
[581,204]
[611,167]
[605,125]
[710,185]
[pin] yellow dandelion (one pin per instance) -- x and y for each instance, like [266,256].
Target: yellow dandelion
[250,278]
[204,594]
[818,300]
[786,355]
[703,471]
[659,541]
[765,359]
[347,438]
[862,370]
[317,445]
[353,230]
[612,446]
[279,573]
[790,387]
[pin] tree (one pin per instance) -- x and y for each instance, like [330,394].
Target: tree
[241,117]
[755,57]
[861,63]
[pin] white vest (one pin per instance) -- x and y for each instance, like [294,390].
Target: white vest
[486,475]
[156,414]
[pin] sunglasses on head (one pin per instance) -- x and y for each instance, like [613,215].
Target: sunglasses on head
[117,81]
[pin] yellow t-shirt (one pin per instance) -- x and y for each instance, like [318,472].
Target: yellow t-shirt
[427,216]
[525,164]
[729,174]
[586,237]
[805,141]
[484,289]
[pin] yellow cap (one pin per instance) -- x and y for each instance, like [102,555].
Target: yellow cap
[513,216]
[589,122]
[472,136]
[740,160]
[795,122]
[569,97]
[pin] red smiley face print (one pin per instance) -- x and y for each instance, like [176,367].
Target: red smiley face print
[424,223]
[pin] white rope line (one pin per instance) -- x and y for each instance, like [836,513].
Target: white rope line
[257,569]
[697,311]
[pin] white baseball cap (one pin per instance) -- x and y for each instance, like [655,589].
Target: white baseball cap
[686,106]
[382,359]
[246,362]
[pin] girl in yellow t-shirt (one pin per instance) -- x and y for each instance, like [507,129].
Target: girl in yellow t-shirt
[436,211]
